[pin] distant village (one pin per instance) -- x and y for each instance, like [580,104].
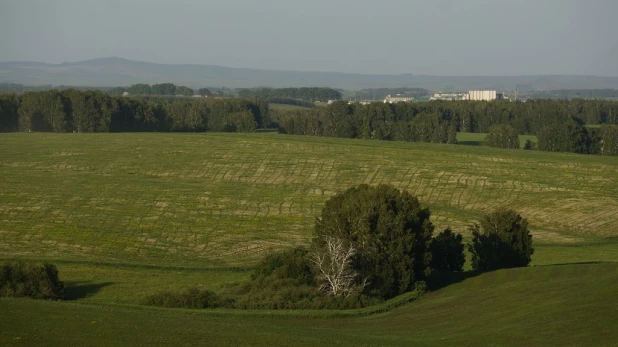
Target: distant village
[477,95]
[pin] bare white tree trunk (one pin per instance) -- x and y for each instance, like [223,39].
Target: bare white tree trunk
[334,264]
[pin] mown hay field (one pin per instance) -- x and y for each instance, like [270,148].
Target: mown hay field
[126,215]
[224,200]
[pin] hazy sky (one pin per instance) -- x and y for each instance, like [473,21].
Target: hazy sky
[441,37]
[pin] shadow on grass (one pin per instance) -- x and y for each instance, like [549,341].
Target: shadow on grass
[82,290]
[469,143]
[440,279]
[267,130]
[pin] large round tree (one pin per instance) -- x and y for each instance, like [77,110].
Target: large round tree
[500,240]
[387,233]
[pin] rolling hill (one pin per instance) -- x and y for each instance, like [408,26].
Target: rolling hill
[113,71]
[126,215]
[568,305]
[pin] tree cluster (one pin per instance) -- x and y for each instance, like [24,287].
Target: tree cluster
[500,240]
[156,89]
[502,136]
[371,243]
[290,101]
[91,111]
[29,279]
[439,121]
[571,136]
[576,94]
[389,232]
[309,94]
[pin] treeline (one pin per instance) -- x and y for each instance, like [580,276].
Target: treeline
[305,94]
[20,88]
[380,93]
[576,94]
[439,121]
[93,111]
[158,89]
[288,101]
[570,136]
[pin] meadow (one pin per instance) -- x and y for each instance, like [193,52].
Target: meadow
[124,215]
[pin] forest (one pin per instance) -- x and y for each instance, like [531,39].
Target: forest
[560,125]
[303,94]
[579,126]
[95,111]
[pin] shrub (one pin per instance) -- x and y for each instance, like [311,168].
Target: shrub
[291,264]
[285,280]
[502,136]
[529,145]
[30,279]
[189,298]
[502,240]
[242,122]
[447,251]
[281,280]
[390,231]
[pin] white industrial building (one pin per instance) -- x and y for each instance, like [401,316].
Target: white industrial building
[475,95]
[449,96]
[484,95]
[397,98]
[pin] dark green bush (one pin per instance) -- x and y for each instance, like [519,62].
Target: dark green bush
[390,230]
[30,279]
[282,280]
[501,240]
[447,251]
[291,264]
[502,136]
[529,145]
[285,280]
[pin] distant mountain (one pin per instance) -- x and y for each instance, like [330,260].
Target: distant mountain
[109,72]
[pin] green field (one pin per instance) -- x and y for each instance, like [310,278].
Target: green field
[478,139]
[550,305]
[125,215]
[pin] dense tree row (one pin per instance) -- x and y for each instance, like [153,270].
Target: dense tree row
[374,121]
[305,93]
[378,94]
[289,101]
[576,94]
[20,88]
[157,89]
[573,136]
[440,120]
[88,111]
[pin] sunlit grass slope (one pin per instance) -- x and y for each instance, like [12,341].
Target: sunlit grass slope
[568,305]
[212,200]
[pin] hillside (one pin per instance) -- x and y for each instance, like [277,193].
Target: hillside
[126,215]
[569,305]
[109,72]
[214,199]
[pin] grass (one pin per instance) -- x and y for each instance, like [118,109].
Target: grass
[478,139]
[125,215]
[287,107]
[213,200]
[547,305]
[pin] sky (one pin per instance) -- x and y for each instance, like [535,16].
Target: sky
[429,37]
